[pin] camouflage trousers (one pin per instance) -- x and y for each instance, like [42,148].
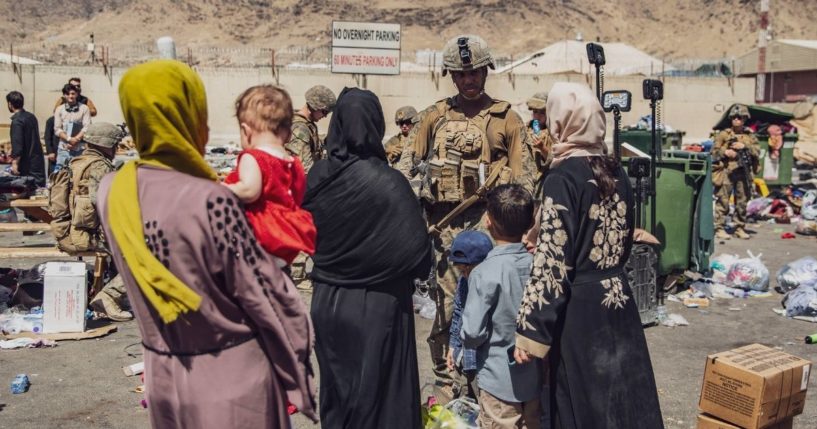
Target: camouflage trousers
[734,183]
[116,290]
[300,269]
[446,276]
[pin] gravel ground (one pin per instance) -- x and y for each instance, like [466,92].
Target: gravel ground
[80,383]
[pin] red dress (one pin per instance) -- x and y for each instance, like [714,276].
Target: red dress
[281,226]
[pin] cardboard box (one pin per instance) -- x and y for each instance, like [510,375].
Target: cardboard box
[754,387]
[65,297]
[709,422]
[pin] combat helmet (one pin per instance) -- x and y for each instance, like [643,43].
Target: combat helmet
[739,110]
[466,52]
[539,101]
[405,113]
[320,97]
[103,134]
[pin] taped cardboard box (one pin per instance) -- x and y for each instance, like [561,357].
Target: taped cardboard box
[754,387]
[709,422]
[65,297]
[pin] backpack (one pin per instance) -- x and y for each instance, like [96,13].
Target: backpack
[74,223]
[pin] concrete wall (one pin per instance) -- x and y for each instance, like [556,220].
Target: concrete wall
[691,104]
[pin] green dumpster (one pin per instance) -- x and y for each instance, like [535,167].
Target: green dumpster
[684,214]
[777,172]
[642,139]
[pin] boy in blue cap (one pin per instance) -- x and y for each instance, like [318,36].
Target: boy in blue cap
[468,249]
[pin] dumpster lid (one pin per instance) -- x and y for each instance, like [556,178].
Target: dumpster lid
[761,114]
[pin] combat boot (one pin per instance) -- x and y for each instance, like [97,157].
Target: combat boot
[107,307]
[740,233]
[722,235]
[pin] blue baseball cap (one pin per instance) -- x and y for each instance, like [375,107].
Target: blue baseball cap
[470,248]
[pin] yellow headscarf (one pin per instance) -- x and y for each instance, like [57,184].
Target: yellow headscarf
[165,107]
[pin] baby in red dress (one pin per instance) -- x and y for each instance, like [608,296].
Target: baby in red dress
[269,181]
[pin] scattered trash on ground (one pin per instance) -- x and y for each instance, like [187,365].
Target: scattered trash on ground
[134,369]
[796,273]
[424,305]
[16,320]
[806,227]
[674,320]
[801,302]
[20,384]
[749,274]
[460,413]
[31,343]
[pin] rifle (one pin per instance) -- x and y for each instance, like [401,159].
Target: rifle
[746,163]
[461,207]
[744,159]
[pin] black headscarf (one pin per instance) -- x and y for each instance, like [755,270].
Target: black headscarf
[370,224]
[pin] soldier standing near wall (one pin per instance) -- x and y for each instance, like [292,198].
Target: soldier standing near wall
[394,147]
[730,174]
[462,144]
[306,144]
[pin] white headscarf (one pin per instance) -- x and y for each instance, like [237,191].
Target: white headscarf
[576,122]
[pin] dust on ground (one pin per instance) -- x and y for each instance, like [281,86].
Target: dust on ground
[80,384]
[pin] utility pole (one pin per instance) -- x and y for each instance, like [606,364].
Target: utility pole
[762,41]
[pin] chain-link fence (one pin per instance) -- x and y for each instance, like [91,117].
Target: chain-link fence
[77,54]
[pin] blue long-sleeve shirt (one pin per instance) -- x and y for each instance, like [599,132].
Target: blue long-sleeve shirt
[469,356]
[495,293]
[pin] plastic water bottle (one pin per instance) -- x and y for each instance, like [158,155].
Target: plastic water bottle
[537,128]
[661,313]
[20,384]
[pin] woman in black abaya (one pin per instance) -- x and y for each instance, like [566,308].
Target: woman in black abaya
[372,242]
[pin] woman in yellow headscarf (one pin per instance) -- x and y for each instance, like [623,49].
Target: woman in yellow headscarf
[211,305]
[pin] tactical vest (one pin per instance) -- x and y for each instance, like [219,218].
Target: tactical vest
[75,223]
[461,159]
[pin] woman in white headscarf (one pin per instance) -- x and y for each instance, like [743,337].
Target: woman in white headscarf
[578,310]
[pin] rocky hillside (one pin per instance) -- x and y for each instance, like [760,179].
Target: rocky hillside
[58,30]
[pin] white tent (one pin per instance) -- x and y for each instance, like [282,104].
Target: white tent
[570,56]
[7,59]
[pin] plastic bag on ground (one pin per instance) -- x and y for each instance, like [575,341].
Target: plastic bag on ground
[457,414]
[756,206]
[809,212]
[800,272]
[749,274]
[720,266]
[806,227]
[424,305]
[801,302]
[674,320]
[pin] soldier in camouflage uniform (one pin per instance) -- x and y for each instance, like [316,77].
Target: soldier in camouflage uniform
[539,144]
[304,141]
[457,143]
[88,169]
[306,144]
[729,176]
[395,146]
